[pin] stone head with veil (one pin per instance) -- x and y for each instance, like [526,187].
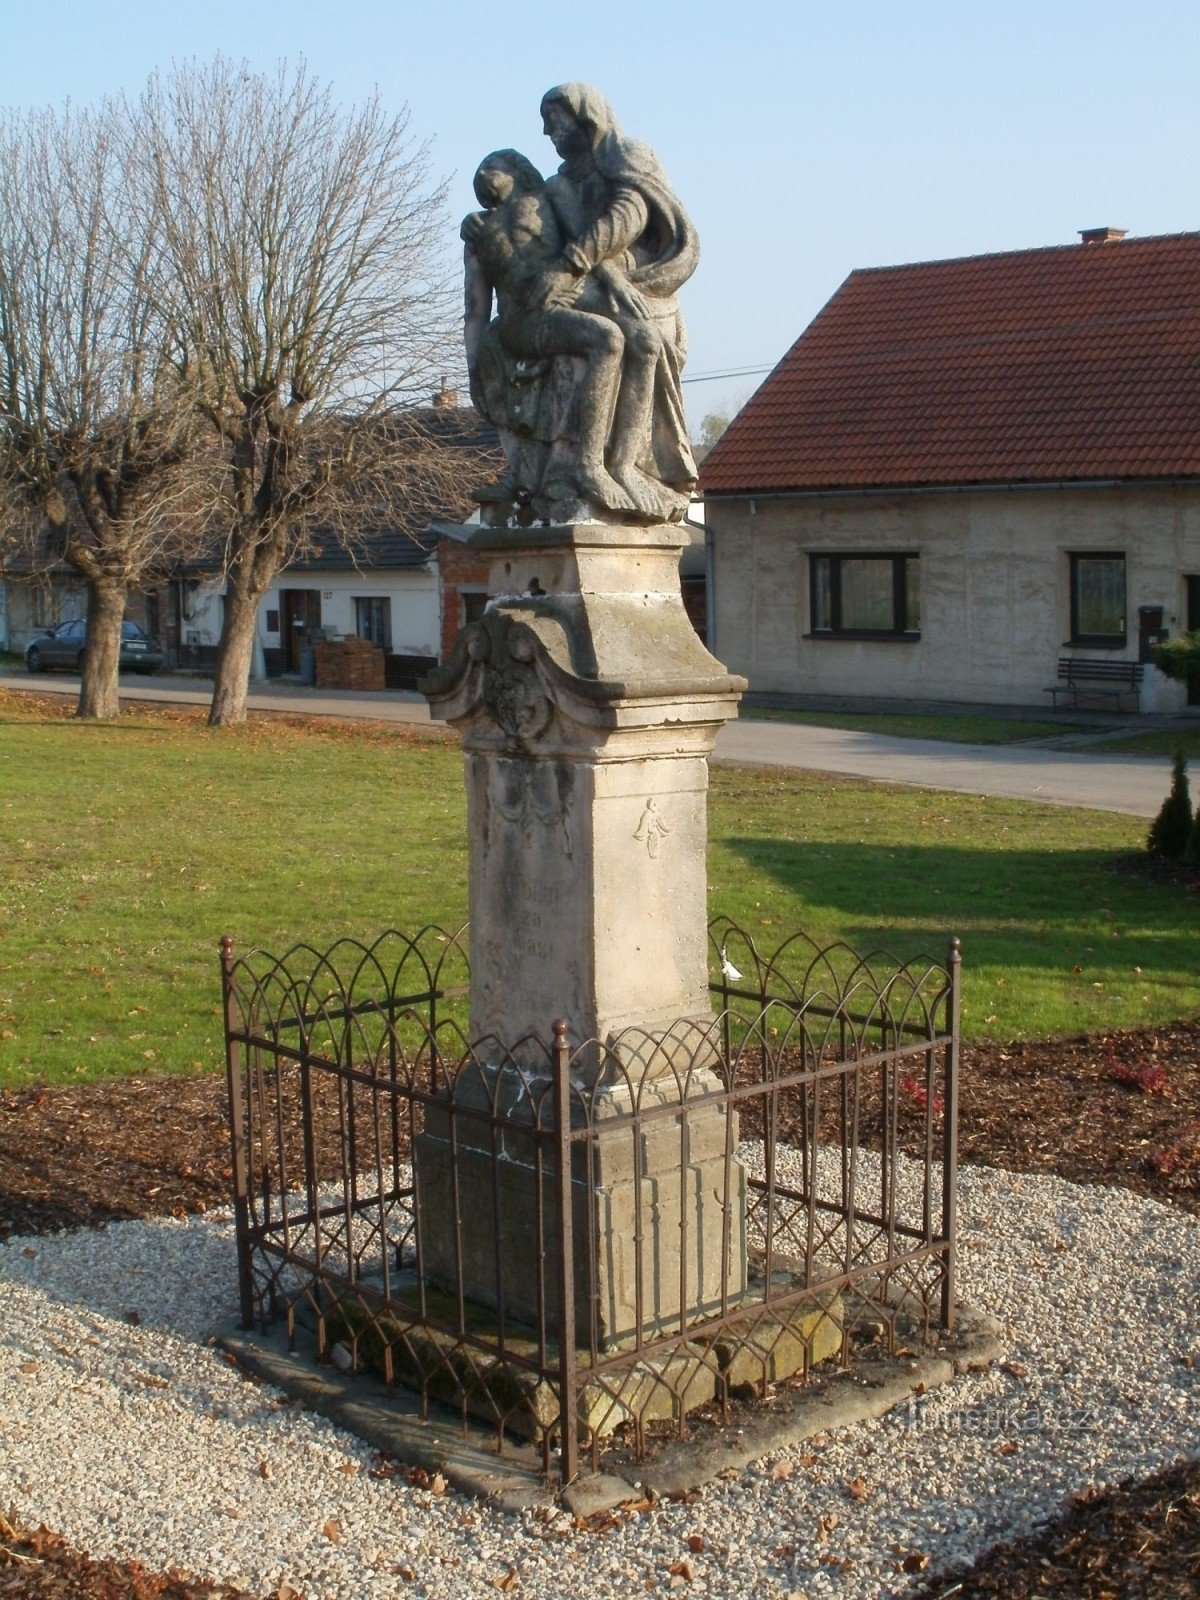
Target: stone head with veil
[579,368]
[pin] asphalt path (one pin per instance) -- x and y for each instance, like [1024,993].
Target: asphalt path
[1130,784]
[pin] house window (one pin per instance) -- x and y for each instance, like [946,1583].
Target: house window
[1098,598]
[474,604]
[866,597]
[373,620]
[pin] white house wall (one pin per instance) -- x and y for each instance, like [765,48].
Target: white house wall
[995,600]
[414,598]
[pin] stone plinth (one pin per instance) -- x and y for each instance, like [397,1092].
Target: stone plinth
[588,707]
[628,1182]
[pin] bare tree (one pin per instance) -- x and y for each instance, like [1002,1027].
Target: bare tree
[95,437]
[305,244]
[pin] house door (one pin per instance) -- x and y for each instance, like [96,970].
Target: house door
[300,619]
[1193,622]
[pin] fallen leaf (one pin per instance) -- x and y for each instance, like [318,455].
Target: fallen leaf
[916,1561]
[508,1581]
[286,1592]
[264,1470]
[437,1484]
[332,1530]
[784,1552]
[406,1573]
[782,1470]
[1008,1448]
[29,1366]
[682,1569]
[1015,1369]
[349,1468]
[695,1543]
[30,1255]
[857,1489]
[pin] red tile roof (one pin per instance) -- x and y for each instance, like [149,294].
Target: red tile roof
[1078,362]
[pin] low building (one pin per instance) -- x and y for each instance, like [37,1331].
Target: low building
[384,586]
[964,471]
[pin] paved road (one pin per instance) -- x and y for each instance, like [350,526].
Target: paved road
[1128,784]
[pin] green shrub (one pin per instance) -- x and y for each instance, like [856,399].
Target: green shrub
[1172,827]
[1179,658]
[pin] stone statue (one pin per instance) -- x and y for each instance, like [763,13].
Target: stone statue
[580,369]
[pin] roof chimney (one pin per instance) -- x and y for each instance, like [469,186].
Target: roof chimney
[1102,235]
[446,399]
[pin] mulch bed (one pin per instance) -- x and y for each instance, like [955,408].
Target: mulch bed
[1139,1541]
[1121,1108]
[36,1564]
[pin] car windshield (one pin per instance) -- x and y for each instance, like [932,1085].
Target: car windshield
[130,630]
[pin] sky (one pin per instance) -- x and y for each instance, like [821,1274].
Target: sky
[805,138]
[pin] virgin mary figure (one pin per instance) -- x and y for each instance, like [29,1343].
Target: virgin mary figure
[626,230]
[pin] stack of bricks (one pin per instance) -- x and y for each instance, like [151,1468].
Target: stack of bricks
[349,664]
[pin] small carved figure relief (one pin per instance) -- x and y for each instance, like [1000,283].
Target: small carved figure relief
[652,829]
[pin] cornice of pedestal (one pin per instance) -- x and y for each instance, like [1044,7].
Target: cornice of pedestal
[613,674]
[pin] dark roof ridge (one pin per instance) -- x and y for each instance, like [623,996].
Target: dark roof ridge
[1098,248]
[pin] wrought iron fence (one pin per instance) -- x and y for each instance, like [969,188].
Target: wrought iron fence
[623,1233]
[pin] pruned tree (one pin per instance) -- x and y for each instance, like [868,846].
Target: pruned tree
[305,243]
[96,456]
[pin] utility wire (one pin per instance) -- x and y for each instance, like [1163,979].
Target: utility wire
[732,372]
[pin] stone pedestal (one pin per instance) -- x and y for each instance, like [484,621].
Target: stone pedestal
[588,707]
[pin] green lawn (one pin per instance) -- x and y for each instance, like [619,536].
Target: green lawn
[127,849]
[1156,744]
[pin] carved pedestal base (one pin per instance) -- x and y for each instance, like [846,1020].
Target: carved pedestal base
[655,1241]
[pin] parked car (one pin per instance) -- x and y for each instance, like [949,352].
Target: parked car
[64,647]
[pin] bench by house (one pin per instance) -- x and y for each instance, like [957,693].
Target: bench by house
[1096,680]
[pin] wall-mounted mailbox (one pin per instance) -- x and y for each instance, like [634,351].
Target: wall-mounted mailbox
[1150,631]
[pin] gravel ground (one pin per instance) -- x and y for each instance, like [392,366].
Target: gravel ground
[126,1432]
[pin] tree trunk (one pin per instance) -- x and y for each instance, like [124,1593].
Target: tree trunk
[235,654]
[98,691]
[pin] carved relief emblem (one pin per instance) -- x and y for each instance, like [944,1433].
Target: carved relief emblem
[512,689]
[652,829]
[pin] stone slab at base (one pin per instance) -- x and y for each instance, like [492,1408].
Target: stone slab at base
[512,1480]
[750,1353]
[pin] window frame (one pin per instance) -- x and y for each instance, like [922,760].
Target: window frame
[899,560]
[1096,641]
[379,605]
